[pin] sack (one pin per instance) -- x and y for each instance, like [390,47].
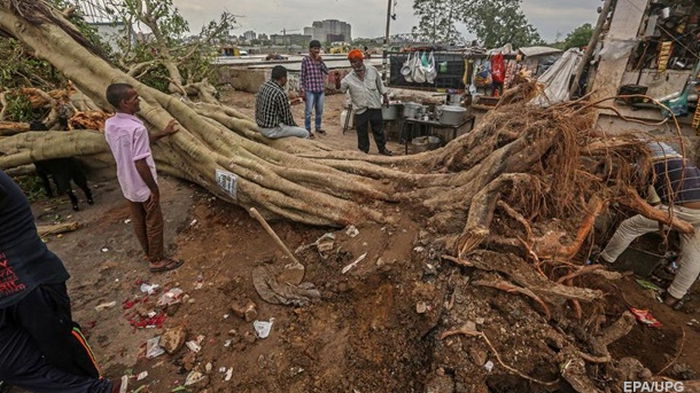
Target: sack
[498,68]
[418,74]
[406,70]
[431,71]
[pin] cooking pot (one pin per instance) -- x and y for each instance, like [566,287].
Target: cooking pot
[412,110]
[425,143]
[453,99]
[390,112]
[451,115]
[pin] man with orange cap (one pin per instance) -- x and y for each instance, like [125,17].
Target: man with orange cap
[368,93]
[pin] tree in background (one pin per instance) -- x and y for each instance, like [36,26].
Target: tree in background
[167,58]
[499,22]
[577,38]
[437,20]
[494,22]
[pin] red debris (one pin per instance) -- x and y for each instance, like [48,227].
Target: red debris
[645,317]
[127,304]
[155,321]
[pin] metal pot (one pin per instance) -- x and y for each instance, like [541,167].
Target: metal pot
[425,143]
[453,99]
[412,110]
[390,112]
[451,114]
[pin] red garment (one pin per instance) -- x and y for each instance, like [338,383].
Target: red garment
[498,68]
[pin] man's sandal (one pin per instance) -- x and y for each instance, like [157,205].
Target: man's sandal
[171,265]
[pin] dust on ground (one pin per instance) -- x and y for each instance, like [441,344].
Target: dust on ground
[373,329]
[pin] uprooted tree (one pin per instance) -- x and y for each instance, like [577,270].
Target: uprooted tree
[545,174]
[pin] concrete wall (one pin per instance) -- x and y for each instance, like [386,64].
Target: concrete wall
[660,84]
[624,26]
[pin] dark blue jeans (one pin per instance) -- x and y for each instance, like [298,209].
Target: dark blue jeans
[313,100]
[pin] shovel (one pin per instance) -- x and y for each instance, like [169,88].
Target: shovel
[293,272]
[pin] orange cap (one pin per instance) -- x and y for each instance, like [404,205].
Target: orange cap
[355,54]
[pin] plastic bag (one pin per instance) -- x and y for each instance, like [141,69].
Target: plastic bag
[616,49]
[431,71]
[418,74]
[498,68]
[406,69]
[678,105]
[424,60]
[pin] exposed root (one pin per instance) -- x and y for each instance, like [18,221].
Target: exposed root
[467,331]
[612,333]
[460,262]
[518,217]
[635,202]
[580,271]
[510,288]
[481,211]
[522,274]
[675,358]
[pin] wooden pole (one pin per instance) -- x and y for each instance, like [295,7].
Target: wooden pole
[254,212]
[385,49]
[293,273]
[592,43]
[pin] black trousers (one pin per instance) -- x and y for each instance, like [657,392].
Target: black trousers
[370,117]
[43,350]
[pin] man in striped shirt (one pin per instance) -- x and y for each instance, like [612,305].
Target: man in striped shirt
[682,200]
[313,76]
[272,111]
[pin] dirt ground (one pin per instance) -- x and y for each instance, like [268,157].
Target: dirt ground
[373,329]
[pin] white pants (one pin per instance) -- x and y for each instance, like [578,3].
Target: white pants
[283,131]
[689,260]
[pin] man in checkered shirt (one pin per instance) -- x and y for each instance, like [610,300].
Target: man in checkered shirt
[272,111]
[312,78]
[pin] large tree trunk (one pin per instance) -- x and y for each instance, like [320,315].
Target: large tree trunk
[304,181]
[294,179]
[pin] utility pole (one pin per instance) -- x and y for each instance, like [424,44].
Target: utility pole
[592,43]
[386,42]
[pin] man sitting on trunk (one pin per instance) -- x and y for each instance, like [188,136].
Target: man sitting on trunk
[272,111]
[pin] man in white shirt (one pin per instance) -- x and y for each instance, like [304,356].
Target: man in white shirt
[368,93]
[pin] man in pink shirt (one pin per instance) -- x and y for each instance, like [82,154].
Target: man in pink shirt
[128,139]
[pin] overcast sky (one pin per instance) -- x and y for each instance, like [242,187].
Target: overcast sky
[367,17]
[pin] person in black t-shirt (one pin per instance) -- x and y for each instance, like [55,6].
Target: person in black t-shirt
[41,348]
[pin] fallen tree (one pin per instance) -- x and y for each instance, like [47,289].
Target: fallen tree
[546,168]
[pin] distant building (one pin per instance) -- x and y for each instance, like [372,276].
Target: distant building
[290,39]
[249,35]
[329,30]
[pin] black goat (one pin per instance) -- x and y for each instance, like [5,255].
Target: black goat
[63,170]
